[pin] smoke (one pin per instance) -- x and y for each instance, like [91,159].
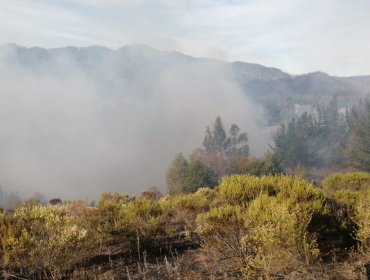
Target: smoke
[72,129]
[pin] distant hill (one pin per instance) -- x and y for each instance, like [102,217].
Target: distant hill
[276,90]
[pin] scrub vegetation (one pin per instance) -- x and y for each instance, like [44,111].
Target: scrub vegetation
[247,227]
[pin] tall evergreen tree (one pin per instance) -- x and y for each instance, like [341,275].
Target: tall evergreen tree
[217,142]
[208,141]
[297,144]
[219,136]
[333,133]
[313,142]
[359,141]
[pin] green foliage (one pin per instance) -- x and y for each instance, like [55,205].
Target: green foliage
[352,192]
[108,209]
[186,176]
[313,141]
[217,142]
[355,181]
[277,238]
[240,189]
[256,227]
[218,136]
[145,219]
[177,175]
[199,175]
[359,144]
[188,206]
[263,223]
[39,239]
[222,155]
[362,218]
[193,202]
[296,144]
[266,165]
[127,219]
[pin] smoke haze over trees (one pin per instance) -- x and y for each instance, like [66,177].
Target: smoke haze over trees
[79,121]
[76,121]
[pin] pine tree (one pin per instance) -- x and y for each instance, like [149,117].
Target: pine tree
[359,141]
[219,136]
[208,141]
[297,143]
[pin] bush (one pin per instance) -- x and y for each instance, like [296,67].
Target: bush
[41,240]
[356,181]
[221,230]
[125,220]
[352,193]
[285,223]
[268,227]
[241,189]
[278,240]
[362,218]
[144,219]
[187,207]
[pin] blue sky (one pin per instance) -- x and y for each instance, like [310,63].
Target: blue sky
[294,35]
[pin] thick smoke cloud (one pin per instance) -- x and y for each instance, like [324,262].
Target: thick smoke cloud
[68,132]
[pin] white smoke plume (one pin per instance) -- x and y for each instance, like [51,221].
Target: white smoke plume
[75,131]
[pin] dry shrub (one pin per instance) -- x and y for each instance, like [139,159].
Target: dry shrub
[362,217]
[271,226]
[41,240]
[221,231]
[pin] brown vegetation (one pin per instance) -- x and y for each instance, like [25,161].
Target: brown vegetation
[269,227]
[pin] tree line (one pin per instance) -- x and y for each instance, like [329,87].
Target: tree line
[222,154]
[328,139]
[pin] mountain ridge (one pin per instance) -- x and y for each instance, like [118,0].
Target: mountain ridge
[147,48]
[277,91]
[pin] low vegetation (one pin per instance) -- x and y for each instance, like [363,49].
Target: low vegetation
[247,227]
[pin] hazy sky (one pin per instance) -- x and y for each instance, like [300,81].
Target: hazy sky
[295,35]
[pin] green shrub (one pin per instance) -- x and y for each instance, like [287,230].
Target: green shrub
[107,218]
[362,218]
[262,227]
[145,219]
[352,192]
[186,207]
[41,240]
[356,181]
[125,220]
[241,189]
[195,202]
[277,238]
[286,223]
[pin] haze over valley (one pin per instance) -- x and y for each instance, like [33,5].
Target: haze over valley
[79,121]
